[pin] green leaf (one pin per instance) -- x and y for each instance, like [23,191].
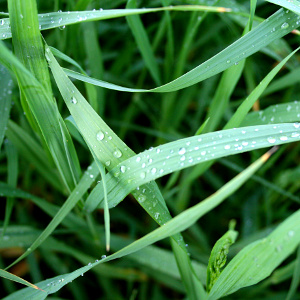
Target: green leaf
[162,160]
[258,260]
[292,5]
[218,257]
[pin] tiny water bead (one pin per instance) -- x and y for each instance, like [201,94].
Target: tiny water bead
[123,169]
[271,140]
[181,151]
[100,135]
[73,100]
[117,153]
[103,256]
[285,25]
[143,175]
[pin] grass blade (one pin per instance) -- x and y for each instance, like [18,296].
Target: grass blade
[257,260]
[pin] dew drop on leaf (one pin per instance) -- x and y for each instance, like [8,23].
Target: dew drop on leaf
[285,25]
[123,169]
[117,153]
[271,140]
[73,100]
[181,151]
[100,135]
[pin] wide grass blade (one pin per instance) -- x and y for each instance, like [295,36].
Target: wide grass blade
[162,160]
[293,5]
[257,260]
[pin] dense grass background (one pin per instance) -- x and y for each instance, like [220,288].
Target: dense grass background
[143,52]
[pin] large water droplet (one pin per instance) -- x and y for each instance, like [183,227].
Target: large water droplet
[123,169]
[100,135]
[117,153]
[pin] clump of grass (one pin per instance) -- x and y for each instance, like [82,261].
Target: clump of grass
[160,109]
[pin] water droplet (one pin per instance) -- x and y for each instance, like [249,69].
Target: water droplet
[156,215]
[91,176]
[295,134]
[89,264]
[153,170]
[73,100]
[291,233]
[123,169]
[117,153]
[62,27]
[107,163]
[278,248]
[283,138]
[143,175]
[103,256]
[181,151]
[227,147]
[203,152]
[297,125]
[141,198]
[285,25]
[100,135]
[138,159]
[228,61]
[21,16]
[271,140]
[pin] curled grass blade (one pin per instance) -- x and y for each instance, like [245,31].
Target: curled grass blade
[257,260]
[268,31]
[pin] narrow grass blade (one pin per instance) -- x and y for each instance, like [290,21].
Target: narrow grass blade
[143,43]
[279,113]
[292,5]
[12,177]
[6,86]
[45,110]
[60,19]
[177,224]
[162,160]
[80,189]
[31,151]
[270,30]
[257,260]
[15,278]
[245,107]
[296,277]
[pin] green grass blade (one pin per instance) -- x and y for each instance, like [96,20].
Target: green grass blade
[279,113]
[296,278]
[177,224]
[162,160]
[143,43]
[12,177]
[218,257]
[262,35]
[15,278]
[257,260]
[80,189]
[45,110]
[31,151]
[245,107]
[5,100]
[60,19]
[292,5]
[107,146]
